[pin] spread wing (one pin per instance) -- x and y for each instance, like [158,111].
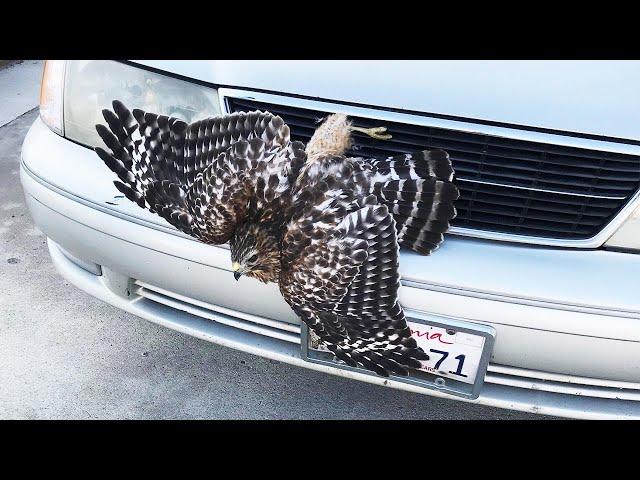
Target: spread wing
[247,172]
[200,176]
[340,275]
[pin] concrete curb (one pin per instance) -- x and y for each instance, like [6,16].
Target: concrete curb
[19,87]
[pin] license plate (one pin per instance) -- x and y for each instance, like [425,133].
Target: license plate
[459,353]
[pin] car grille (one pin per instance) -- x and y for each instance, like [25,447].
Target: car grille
[506,185]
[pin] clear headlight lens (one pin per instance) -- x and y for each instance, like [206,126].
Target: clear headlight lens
[628,234]
[51,89]
[91,86]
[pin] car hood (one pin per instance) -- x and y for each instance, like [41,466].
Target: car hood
[589,97]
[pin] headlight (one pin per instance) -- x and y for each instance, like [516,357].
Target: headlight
[91,86]
[627,236]
[51,94]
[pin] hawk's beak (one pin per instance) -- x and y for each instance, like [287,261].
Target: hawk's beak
[236,270]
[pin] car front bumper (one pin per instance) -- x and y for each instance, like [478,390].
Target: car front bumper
[578,357]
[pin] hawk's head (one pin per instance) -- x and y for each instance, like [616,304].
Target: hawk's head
[255,252]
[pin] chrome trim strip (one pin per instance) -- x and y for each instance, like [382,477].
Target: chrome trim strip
[373,113]
[519,300]
[560,377]
[276,324]
[231,321]
[564,388]
[518,187]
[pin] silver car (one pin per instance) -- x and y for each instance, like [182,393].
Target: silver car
[538,282]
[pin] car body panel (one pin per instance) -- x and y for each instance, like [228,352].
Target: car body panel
[590,97]
[179,264]
[575,396]
[525,346]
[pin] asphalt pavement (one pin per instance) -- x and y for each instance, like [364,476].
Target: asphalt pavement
[67,355]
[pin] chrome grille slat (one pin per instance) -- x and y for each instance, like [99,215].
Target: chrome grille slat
[563,384]
[512,187]
[258,325]
[562,378]
[518,187]
[563,388]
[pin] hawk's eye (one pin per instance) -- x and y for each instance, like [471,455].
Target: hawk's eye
[253,258]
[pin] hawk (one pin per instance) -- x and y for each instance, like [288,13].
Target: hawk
[326,227]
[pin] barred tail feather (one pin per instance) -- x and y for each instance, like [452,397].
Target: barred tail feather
[418,190]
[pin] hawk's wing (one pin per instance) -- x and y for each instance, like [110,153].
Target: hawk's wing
[342,280]
[220,195]
[418,188]
[185,172]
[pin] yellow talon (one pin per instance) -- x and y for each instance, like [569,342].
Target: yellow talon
[375,132]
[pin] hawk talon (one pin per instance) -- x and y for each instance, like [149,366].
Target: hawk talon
[375,132]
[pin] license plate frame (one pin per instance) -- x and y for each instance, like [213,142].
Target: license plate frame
[431,381]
